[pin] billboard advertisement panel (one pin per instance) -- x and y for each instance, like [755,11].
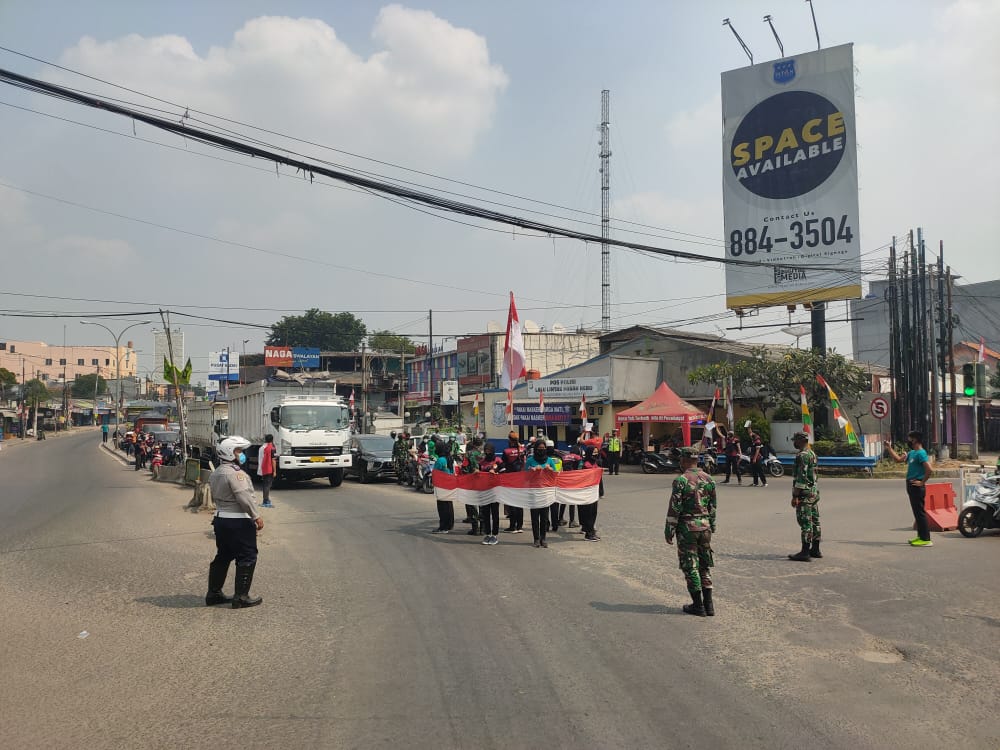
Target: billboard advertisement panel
[305,357]
[475,360]
[790,180]
[224,366]
[278,356]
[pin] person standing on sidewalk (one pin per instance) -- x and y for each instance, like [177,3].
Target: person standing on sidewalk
[614,453]
[266,469]
[805,499]
[236,524]
[918,471]
[104,433]
[691,519]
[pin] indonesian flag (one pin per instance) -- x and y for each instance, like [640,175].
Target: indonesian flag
[711,411]
[513,350]
[350,401]
[583,407]
[843,421]
[729,403]
[541,402]
[982,350]
[521,489]
[807,420]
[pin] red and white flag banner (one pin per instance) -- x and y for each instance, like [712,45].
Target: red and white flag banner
[521,489]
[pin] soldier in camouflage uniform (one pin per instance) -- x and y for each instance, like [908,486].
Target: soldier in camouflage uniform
[805,499]
[691,519]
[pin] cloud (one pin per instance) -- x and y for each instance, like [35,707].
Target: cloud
[697,126]
[430,86]
[79,252]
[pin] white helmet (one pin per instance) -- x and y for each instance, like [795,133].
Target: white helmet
[230,445]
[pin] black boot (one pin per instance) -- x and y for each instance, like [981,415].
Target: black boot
[709,606]
[802,555]
[217,572]
[814,550]
[244,577]
[697,608]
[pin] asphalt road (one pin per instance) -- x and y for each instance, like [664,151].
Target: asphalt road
[374,633]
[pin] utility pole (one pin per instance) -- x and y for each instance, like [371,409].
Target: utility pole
[892,297]
[940,360]
[935,383]
[906,374]
[605,210]
[951,368]
[24,398]
[165,317]
[818,331]
[430,354]
[65,401]
[364,388]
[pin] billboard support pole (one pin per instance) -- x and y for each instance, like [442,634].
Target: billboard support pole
[815,25]
[725,22]
[818,323]
[781,47]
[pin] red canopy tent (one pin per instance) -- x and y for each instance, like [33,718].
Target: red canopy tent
[663,406]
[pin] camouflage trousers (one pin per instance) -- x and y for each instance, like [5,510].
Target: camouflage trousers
[807,515]
[694,551]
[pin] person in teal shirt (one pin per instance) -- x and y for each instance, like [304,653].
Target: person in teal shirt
[539,460]
[445,508]
[918,471]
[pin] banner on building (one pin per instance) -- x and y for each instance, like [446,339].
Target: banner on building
[553,414]
[449,393]
[790,180]
[475,360]
[571,389]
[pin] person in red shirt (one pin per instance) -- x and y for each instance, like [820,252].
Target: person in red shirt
[266,469]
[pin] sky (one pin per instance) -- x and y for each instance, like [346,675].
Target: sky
[492,101]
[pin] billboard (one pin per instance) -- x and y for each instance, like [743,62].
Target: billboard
[475,360]
[305,357]
[278,356]
[790,180]
[224,366]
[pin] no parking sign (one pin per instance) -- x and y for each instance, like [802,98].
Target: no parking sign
[879,407]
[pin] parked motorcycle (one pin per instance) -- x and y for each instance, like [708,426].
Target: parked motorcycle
[661,463]
[423,481]
[708,460]
[982,510]
[771,465]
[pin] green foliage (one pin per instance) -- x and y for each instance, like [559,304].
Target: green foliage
[772,379]
[992,380]
[35,391]
[760,426]
[251,360]
[836,448]
[786,412]
[342,332]
[389,341]
[7,377]
[83,385]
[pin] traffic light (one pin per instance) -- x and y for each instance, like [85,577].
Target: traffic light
[969,379]
[981,385]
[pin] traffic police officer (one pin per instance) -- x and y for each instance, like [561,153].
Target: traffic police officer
[614,453]
[236,524]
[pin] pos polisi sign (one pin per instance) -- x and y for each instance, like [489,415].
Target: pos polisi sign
[790,180]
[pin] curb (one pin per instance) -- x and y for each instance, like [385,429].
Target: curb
[117,455]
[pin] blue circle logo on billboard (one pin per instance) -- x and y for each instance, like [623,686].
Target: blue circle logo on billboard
[788,144]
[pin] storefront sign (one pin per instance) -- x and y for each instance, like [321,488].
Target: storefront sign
[571,389]
[553,414]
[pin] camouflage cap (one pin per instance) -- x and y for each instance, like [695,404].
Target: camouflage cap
[689,453]
[799,436]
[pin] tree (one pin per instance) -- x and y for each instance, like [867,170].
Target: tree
[389,341]
[772,380]
[83,385]
[7,377]
[342,332]
[36,391]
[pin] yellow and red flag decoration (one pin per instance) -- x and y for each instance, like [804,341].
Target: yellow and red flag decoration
[843,421]
[807,420]
[475,411]
[541,402]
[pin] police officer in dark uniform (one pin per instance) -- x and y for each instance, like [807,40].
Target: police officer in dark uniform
[236,524]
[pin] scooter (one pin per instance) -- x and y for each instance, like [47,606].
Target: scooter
[708,460]
[771,465]
[982,510]
[660,463]
[423,481]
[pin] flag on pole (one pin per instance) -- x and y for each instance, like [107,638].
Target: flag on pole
[729,404]
[541,402]
[711,411]
[509,410]
[350,401]
[475,411]
[982,350]
[583,407]
[513,350]
[807,420]
[843,421]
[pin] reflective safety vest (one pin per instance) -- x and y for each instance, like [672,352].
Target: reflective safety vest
[615,445]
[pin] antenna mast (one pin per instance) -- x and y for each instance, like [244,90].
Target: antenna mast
[605,210]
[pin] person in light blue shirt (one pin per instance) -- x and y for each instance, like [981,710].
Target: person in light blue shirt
[445,508]
[918,471]
[539,460]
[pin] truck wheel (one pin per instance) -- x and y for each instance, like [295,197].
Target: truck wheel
[336,477]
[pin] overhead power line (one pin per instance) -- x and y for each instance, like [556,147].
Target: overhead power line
[308,169]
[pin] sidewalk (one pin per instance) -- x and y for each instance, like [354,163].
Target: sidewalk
[13,443]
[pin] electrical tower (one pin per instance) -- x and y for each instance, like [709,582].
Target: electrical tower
[605,210]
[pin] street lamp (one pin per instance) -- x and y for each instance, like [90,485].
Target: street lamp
[118,359]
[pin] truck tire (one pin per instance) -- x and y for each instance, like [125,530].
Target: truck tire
[336,477]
